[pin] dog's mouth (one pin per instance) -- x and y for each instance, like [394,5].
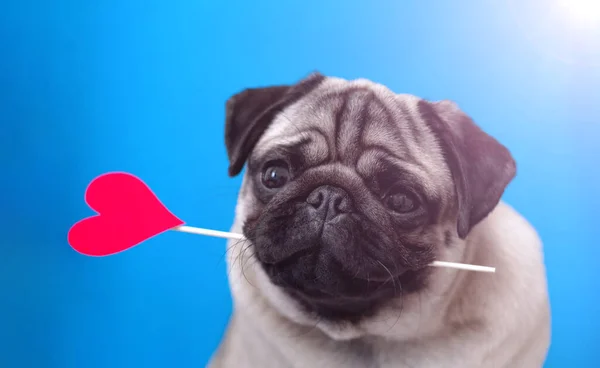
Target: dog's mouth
[323,286]
[344,270]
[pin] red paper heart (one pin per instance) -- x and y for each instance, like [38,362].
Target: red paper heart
[128,214]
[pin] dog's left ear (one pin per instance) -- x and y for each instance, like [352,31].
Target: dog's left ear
[249,113]
[481,167]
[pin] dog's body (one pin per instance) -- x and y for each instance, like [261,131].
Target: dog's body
[334,272]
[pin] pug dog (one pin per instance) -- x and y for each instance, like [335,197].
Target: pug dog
[350,192]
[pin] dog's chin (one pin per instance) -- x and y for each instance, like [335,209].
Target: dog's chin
[324,288]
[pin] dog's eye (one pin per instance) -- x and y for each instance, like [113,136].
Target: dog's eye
[401,202]
[275,175]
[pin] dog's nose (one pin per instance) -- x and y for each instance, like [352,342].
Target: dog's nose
[330,201]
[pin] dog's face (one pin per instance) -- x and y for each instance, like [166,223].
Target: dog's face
[352,190]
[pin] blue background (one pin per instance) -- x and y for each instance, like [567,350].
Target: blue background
[88,87]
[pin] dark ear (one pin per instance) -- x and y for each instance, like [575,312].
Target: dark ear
[249,113]
[481,167]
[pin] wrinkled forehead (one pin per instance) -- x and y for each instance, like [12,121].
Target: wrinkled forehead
[357,123]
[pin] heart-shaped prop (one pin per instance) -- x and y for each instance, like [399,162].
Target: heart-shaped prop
[128,214]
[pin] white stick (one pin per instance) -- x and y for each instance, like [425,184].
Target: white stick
[463,266]
[228,235]
[208,232]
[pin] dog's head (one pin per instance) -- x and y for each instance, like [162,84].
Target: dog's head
[352,190]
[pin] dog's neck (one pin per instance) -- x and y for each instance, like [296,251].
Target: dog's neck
[261,330]
[271,341]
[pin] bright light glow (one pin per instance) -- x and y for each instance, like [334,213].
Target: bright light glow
[583,14]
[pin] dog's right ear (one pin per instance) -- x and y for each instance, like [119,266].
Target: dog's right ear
[249,113]
[247,116]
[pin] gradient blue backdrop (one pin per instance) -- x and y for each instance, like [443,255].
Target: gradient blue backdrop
[88,87]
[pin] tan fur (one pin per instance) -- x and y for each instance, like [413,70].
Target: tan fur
[463,319]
